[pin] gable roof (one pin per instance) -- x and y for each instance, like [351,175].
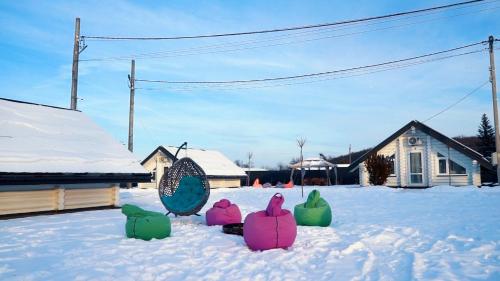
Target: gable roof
[433,133]
[212,162]
[39,142]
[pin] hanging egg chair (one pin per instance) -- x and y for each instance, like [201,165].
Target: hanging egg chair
[184,188]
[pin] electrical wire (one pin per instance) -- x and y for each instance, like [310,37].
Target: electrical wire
[287,28]
[360,72]
[211,49]
[311,74]
[457,102]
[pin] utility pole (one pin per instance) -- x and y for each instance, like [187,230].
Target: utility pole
[350,159]
[493,81]
[301,142]
[74,71]
[250,155]
[131,79]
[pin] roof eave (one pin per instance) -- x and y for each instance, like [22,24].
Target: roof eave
[7,178]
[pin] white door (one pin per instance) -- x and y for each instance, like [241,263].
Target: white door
[416,169]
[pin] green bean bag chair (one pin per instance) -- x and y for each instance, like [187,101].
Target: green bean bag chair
[145,225]
[314,212]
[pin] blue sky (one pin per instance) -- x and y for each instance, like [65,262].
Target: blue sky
[36,53]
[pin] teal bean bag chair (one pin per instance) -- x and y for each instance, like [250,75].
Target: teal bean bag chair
[314,212]
[145,225]
[189,197]
[184,189]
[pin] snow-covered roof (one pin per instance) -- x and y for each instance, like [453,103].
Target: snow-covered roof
[312,162]
[212,162]
[255,169]
[43,139]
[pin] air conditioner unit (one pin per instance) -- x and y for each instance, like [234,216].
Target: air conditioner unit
[414,141]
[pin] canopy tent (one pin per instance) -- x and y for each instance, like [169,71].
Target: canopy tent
[315,163]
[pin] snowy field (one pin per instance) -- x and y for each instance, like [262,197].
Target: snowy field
[377,233]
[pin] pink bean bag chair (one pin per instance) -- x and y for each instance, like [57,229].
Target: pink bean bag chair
[272,228]
[223,212]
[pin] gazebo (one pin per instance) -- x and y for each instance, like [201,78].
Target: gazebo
[314,163]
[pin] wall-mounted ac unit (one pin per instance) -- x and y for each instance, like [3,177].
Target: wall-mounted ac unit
[414,141]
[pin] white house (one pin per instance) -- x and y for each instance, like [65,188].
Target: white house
[220,171]
[423,157]
[54,158]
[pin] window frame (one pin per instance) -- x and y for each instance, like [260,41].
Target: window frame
[393,156]
[153,173]
[447,163]
[455,162]
[439,159]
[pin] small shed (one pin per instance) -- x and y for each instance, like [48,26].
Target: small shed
[54,158]
[423,157]
[220,171]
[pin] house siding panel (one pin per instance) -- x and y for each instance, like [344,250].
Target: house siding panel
[429,147]
[455,156]
[57,198]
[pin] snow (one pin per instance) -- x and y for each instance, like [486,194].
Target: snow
[42,139]
[378,233]
[212,162]
[312,162]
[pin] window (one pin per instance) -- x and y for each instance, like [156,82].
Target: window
[392,169]
[456,169]
[442,164]
[154,175]
[447,166]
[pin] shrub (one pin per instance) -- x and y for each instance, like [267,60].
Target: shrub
[379,168]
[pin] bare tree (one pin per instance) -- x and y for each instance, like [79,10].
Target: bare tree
[301,142]
[250,156]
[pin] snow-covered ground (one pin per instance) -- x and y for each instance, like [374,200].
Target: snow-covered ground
[378,233]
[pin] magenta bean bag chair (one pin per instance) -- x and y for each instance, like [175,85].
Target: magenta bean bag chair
[272,228]
[223,212]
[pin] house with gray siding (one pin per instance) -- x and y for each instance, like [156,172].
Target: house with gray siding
[423,157]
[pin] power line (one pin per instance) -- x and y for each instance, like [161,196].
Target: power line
[287,28]
[457,102]
[226,47]
[310,74]
[310,80]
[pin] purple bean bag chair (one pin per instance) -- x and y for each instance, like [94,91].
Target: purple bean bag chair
[267,185]
[223,212]
[272,228]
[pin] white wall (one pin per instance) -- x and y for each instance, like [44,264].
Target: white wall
[159,161]
[429,148]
